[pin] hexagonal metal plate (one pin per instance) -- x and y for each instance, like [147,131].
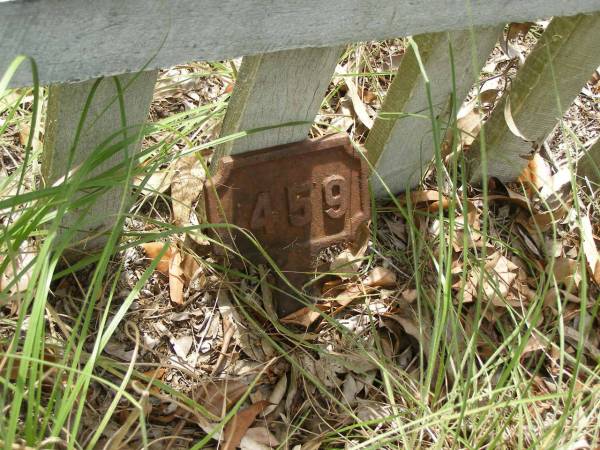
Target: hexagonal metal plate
[295,199]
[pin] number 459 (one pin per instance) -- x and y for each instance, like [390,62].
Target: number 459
[334,197]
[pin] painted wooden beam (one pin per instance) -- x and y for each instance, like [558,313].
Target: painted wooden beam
[553,74]
[274,89]
[65,107]
[76,40]
[589,164]
[401,143]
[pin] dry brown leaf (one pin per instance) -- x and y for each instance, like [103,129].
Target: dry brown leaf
[380,277]
[407,319]
[544,220]
[566,271]
[357,103]
[469,123]
[277,394]
[427,199]
[158,181]
[186,185]
[487,99]
[258,437]
[589,248]
[189,267]
[152,250]
[176,279]
[16,269]
[351,293]
[409,295]
[239,424]
[518,29]
[219,395]
[304,317]
[512,197]
[510,122]
[536,174]
[347,263]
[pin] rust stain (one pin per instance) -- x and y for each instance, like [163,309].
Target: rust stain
[295,199]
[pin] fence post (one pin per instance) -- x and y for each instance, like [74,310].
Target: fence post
[277,88]
[401,144]
[551,77]
[589,164]
[65,107]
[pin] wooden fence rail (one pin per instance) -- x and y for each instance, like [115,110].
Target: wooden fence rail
[290,51]
[76,40]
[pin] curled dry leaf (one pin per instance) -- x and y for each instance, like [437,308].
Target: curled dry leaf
[239,424]
[468,122]
[16,271]
[351,293]
[152,250]
[428,199]
[347,263]
[182,345]
[258,438]
[359,106]
[186,185]
[176,279]
[277,394]
[566,271]
[381,277]
[219,396]
[515,30]
[180,269]
[158,181]
[409,295]
[536,175]
[304,317]
[510,122]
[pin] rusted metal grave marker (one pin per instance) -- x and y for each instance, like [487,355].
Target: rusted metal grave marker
[296,199]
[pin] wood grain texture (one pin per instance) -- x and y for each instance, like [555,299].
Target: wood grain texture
[274,89]
[553,74]
[589,165]
[76,40]
[401,146]
[65,106]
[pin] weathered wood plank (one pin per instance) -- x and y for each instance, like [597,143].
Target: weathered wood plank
[274,89]
[400,146]
[589,165]
[551,77]
[82,39]
[65,106]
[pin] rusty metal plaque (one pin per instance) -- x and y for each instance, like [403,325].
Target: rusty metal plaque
[295,199]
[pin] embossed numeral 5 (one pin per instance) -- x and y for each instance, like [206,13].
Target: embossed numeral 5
[299,204]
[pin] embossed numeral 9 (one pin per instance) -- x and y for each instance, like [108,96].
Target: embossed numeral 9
[335,193]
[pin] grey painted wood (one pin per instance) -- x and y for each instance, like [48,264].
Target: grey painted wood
[83,39]
[65,106]
[551,77]
[274,89]
[400,147]
[589,164]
